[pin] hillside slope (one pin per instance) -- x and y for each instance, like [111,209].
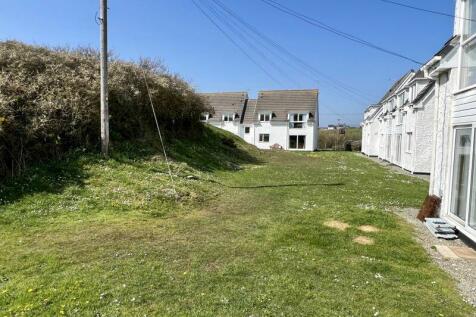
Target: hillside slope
[245,235]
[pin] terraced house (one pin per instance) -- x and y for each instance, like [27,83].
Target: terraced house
[426,123]
[284,119]
[453,174]
[400,128]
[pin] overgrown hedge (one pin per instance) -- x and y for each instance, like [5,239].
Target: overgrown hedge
[49,102]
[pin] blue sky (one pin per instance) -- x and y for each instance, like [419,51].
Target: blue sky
[175,32]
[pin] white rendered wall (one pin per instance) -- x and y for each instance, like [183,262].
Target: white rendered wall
[424,136]
[279,133]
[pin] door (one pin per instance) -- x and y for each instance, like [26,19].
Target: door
[297,142]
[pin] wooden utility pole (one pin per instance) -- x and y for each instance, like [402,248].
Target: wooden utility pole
[104,75]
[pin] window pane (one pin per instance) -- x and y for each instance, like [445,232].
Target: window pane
[301,142]
[470,15]
[293,142]
[468,66]
[459,192]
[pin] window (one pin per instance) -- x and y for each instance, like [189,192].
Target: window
[247,130]
[229,117]
[297,120]
[265,117]
[264,138]
[400,117]
[409,141]
[468,65]
[468,60]
[469,28]
[461,166]
[297,142]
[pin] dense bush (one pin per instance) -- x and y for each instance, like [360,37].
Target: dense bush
[333,140]
[49,102]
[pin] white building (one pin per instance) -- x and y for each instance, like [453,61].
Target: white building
[285,119]
[454,151]
[400,128]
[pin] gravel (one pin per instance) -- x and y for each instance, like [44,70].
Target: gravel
[463,271]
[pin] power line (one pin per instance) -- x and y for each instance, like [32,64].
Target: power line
[219,17]
[247,41]
[240,28]
[307,68]
[235,43]
[321,25]
[426,10]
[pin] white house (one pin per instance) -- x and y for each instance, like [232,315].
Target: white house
[285,119]
[371,130]
[453,166]
[229,109]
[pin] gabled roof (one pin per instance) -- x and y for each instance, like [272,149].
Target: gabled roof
[395,87]
[283,102]
[226,102]
[425,91]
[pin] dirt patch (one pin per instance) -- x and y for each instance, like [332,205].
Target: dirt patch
[364,240]
[368,228]
[342,226]
[462,270]
[464,253]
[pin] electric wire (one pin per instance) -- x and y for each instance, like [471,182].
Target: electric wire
[302,64]
[235,43]
[321,25]
[235,30]
[426,10]
[282,50]
[247,41]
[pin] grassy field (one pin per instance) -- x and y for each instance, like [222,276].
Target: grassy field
[243,235]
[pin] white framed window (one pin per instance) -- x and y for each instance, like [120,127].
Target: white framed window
[297,120]
[399,117]
[247,130]
[265,117]
[463,178]
[409,142]
[264,138]
[468,46]
[227,117]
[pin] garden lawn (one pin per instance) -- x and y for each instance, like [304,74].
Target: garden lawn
[86,237]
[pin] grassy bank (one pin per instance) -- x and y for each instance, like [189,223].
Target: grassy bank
[245,235]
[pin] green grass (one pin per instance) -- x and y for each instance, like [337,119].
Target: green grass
[244,237]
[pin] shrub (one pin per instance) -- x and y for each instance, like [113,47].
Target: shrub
[49,102]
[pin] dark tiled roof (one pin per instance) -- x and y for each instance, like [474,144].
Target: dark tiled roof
[283,102]
[424,92]
[396,85]
[226,102]
[448,47]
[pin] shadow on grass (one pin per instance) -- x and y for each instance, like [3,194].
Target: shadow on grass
[210,150]
[51,177]
[280,185]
